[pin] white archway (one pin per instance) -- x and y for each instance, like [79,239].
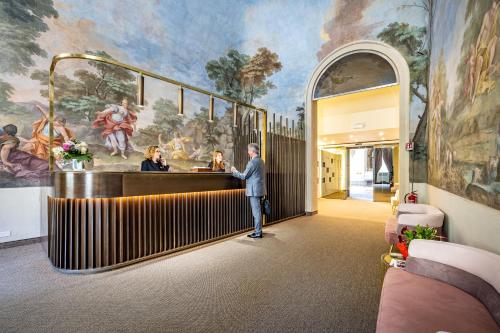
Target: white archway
[402,71]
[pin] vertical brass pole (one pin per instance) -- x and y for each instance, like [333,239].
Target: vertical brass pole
[256,121]
[51,116]
[211,109]
[264,147]
[235,114]
[264,135]
[180,101]
[140,90]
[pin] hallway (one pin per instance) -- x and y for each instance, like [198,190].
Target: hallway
[308,274]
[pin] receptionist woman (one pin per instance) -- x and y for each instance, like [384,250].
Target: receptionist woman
[153,160]
[217,164]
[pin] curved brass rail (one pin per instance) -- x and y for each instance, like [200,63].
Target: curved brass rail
[141,72]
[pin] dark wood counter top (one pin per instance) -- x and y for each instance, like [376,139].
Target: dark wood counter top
[95,184]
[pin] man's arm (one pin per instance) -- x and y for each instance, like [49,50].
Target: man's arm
[4,155]
[249,170]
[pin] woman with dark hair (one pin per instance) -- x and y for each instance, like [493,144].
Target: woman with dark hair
[19,163]
[217,164]
[153,160]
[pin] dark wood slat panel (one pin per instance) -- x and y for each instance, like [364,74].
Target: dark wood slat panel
[110,232]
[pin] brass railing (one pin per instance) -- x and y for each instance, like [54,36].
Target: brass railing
[140,95]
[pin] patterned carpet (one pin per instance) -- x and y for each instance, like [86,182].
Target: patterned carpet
[311,274]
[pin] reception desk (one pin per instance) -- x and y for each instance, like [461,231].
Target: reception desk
[104,220]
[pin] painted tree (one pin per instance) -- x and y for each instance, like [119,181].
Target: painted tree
[242,77]
[91,91]
[6,90]
[166,121]
[301,113]
[226,73]
[21,23]
[255,74]
[203,132]
[411,42]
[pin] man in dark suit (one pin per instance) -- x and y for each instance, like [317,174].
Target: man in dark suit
[255,176]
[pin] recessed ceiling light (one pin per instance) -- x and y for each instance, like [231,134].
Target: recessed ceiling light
[380,133]
[351,136]
[382,138]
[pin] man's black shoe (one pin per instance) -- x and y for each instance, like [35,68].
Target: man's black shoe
[254,235]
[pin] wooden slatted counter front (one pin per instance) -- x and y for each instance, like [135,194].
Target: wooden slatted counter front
[103,220]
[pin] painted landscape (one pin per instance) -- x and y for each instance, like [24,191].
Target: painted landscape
[464,125]
[260,52]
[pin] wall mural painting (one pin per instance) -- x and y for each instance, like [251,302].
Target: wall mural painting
[95,104]
[464,125]
[404,26]
[355,72]
[236,51]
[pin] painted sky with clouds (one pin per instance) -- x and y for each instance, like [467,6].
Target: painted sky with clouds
[177,38]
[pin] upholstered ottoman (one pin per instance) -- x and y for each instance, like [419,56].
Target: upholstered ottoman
[410,215]
[444,287]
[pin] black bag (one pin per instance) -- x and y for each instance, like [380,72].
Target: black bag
[266,206]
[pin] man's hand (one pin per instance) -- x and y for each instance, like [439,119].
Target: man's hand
[4,168]
[233,169]
[8,166]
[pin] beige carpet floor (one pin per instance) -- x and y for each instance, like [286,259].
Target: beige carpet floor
[311,274]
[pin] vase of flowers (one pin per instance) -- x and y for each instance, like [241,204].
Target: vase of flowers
[75,153]
[408,235]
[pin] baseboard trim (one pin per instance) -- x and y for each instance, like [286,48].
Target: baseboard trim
[311,213]
[22,242]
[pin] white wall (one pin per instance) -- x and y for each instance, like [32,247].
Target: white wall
[23,212]
[467,222]
[332,123]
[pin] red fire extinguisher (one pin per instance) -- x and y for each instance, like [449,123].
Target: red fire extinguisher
[411,197]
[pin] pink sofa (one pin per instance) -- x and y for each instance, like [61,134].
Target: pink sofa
[410,215]
[444,287]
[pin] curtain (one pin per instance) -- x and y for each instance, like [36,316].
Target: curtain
[387,156]
[378,163]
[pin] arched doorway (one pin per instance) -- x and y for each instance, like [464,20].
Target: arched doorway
[400,67]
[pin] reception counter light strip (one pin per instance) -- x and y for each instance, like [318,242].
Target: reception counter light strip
[140,93]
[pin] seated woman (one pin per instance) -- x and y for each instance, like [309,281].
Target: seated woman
[153,160]
[216,164]
[18,163]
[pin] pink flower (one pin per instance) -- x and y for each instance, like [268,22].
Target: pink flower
[67,146]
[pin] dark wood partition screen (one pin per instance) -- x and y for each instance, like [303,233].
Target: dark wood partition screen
[285,164]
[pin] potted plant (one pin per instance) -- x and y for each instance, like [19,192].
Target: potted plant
[408,235]
[75,152]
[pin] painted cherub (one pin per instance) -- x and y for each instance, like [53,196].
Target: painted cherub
[175,147]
